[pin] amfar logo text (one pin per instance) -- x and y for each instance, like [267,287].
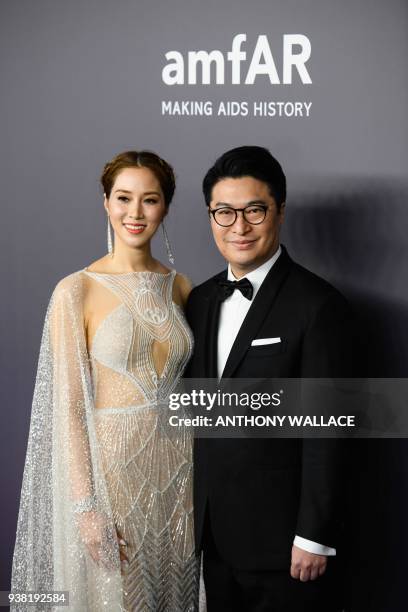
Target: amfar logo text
[296,52]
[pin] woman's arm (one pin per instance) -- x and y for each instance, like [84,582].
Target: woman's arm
[77,442]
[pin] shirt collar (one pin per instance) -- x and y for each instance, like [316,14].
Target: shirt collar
[258,275]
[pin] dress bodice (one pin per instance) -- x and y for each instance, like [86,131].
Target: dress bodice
[141,347]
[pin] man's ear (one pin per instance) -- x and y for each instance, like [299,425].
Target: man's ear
[282,211]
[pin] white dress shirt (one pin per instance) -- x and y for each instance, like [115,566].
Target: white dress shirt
[232,314]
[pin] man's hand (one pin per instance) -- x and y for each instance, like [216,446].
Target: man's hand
[307,566]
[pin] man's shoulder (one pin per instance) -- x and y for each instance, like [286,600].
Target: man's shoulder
[303,282]
[310,279]
[206,288]
[312,287]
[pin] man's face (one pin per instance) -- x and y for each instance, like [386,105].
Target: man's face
[244,245]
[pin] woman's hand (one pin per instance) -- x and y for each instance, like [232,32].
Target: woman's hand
[99,537]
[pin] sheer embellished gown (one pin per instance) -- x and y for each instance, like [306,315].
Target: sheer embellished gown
[102,459]
[137,354]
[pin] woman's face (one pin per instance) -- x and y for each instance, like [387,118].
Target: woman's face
[136,206]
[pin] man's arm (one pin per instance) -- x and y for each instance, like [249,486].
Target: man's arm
[327,353]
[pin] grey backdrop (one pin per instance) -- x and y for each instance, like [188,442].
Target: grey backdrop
[81,81]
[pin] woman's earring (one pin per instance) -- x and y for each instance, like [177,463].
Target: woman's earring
[110,243]
[167,243]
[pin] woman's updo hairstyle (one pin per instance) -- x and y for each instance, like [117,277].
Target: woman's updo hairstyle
[140,159]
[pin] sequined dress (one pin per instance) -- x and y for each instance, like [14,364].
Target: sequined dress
[147,466]
[101,446]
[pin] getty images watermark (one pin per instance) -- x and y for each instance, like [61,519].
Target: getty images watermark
[232,404]
[290,407]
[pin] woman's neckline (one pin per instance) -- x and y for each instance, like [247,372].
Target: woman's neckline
[128,273]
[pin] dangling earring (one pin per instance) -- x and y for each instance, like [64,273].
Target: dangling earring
[167,243]
[110,243]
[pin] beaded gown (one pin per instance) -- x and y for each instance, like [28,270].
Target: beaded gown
[102,458]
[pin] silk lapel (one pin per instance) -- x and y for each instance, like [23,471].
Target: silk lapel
[256,314]
[211,327]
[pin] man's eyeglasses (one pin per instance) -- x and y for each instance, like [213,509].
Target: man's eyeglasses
[226,215]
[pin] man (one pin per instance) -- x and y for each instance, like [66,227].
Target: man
[266,510]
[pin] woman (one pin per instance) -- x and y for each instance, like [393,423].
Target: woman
[106,504]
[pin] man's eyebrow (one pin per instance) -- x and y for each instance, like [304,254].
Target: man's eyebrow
[250,203]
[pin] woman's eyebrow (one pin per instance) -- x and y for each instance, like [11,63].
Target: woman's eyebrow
[144,193]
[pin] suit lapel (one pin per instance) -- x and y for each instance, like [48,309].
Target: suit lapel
[212,316]
[256,314]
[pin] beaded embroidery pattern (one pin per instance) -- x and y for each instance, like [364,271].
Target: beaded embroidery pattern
[147,465]
[101,456]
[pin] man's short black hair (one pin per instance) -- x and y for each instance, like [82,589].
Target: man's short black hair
[247,161]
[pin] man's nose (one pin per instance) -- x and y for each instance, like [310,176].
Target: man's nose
[241,225]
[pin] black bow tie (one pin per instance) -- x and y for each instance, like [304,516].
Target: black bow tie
[227,288]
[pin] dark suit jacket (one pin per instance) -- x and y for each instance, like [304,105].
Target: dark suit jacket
[262,492]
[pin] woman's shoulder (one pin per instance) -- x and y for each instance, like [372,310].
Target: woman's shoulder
[183,286]
[183,281]
[70,284]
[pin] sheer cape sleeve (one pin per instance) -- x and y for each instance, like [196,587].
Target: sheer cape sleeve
[66,538]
